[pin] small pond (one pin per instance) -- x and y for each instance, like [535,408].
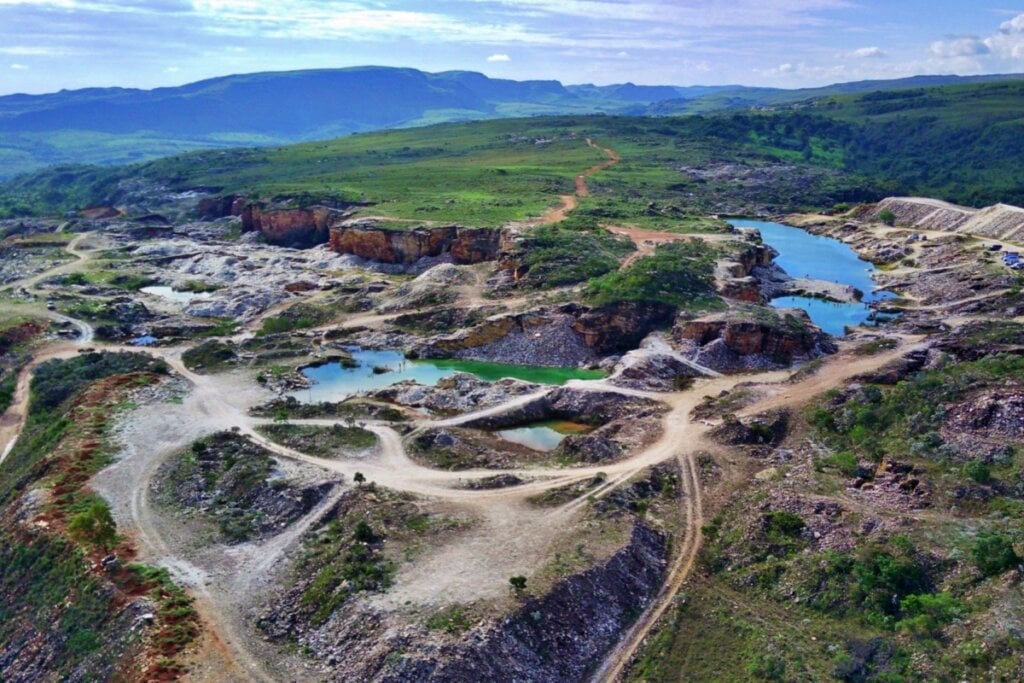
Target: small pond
[543,436]
[171,294]
[379,369]
[802,254]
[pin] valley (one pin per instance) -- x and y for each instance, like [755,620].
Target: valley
[515,400]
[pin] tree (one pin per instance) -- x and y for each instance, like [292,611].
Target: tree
[363,532]
[993,553]
[518,585]
[887,217]
[359,478]
[94,526]
[281,416]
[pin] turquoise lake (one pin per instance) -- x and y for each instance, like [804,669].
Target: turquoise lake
[802,254]
[333,382]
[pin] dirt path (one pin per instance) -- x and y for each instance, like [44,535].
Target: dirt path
[570,201]
[81,258]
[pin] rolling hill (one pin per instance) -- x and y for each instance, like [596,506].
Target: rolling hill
[109,126]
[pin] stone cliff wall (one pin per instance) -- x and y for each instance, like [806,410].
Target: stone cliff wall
[373,242]
[1001,221]
[737,345]
[565,335]
[561,636]
[285,227]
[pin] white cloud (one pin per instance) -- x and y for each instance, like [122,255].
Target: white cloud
[1009,41]
[964,46]
[172,69]
[33,51]
[499,58]
[19,67]
[868,53]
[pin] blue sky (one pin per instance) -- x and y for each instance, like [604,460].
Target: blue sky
[46,45]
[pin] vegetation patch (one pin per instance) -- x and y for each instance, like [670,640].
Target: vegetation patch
[560,255]
[210,357]
[233,483]
[681,274]
[336,441]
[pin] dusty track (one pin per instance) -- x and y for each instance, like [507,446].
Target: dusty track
[570,201]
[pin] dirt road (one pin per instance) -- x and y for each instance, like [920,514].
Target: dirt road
[570,201]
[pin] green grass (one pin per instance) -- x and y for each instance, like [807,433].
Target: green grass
[562,255]
[210,357]
[680,274]
[110,278]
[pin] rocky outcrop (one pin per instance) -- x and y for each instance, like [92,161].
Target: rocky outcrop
[567,335]
[279,225]
[373,241]
[560,636]
[735,344]
[460,393]
[574,405]
[739,278]
[299,228]
[1001,221]
[620,327]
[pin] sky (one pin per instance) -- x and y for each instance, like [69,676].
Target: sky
[48,45]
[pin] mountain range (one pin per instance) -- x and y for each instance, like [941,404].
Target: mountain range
[120,125]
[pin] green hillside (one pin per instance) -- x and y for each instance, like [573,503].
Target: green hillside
[960,143]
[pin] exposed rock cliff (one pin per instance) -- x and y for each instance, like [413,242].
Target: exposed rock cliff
[564,335]
[999,222]
[373,241]
[731,343]
[560,636]
[282,226]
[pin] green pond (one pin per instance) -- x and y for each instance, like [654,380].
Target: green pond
[379,369]
[543,436]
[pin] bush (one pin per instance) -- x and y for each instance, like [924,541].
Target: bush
[556,256]
[887,217]
[978,471]
[783,524]
[94,526]
[925,615]
[518,585]
[993,554]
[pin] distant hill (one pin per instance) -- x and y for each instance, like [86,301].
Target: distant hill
[116,125]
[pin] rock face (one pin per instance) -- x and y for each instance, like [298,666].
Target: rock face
[1000,221]
[370,240]
[561,636]
[734,345]
[620,327]
[740,278]
[299,228]
[566,335]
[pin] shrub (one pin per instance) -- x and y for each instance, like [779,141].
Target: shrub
[518,585]
[978,471]
[783,524]
[993,554]
[680,274]
[887,217]
[94,526]
[925,615]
